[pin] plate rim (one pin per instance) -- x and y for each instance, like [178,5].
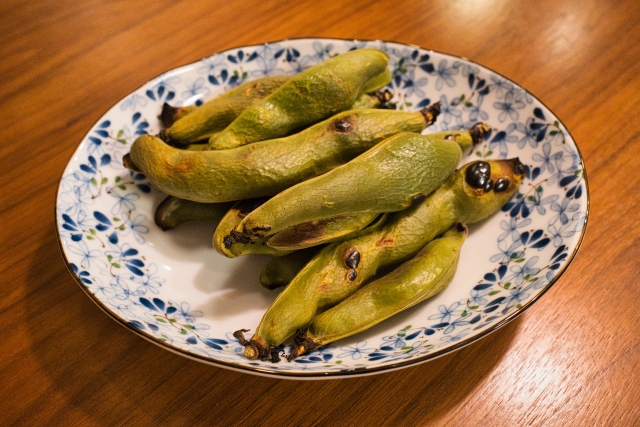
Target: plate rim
[356,372]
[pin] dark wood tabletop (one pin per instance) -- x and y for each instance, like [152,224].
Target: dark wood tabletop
[571,359]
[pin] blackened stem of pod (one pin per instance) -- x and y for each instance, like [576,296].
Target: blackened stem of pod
[478,132]
[384,96]
[253,350]
[431,113]
[301,345]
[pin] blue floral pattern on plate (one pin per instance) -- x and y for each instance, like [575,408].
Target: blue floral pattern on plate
[143,279]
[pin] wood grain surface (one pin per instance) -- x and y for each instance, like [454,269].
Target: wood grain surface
[570,360]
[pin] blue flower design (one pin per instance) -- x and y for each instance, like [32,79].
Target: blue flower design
[500,86]
[125,202]
[507,252]
[478,296]
[511,228]
[87,255]
[509,107]
[454,338]
[461,321]
[449,113]
[528,269]
[133,102]
[517,295]
[547,159]
[476,113]
[136,226]
[444,313]
[529,135]
[355,352]
[196,90]
[213,63]
[562,210]
[184,312]
[445,75]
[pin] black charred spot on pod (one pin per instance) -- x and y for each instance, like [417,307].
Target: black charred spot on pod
[501,185]
[417,199]
[261,228]
[478,132]
[235,237]
[452,137]
[518,167]
[431,113]
[461,227]
[351,275]
[478,174]
[343,125]
[352,259]
[248,206]
[488,186]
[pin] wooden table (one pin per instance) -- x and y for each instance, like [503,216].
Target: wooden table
[569,360]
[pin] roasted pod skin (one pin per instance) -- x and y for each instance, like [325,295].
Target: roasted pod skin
[390,177]
[232,244]
[309,97]
[327,279]
[216,114]
[268,167]
[421,277]
[191,124]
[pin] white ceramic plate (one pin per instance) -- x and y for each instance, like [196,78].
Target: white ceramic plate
[175,290]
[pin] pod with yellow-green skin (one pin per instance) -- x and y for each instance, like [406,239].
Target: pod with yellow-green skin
[423,276]
[268,167]
[232,244]
[394,175]
[215,115]
[193,133]
[315,94]
[172,212]
[471,194]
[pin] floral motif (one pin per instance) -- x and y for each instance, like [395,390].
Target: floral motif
[105,223]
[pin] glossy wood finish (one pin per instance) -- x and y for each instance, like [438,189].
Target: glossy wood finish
[569,360]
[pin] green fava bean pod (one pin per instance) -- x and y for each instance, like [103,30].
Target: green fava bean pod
[215,115]
[269,167]
[340,269]
[174,211]
[425,275]
[395,174]
[309,97]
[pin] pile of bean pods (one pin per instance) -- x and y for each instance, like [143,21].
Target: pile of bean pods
[320,171]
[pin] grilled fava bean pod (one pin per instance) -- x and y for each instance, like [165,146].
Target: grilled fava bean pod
[174,211]
[216,114]
[268,167]
[395,174]
[194,124]
[341,268]
[231,244]
[309,97]
[423,276]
